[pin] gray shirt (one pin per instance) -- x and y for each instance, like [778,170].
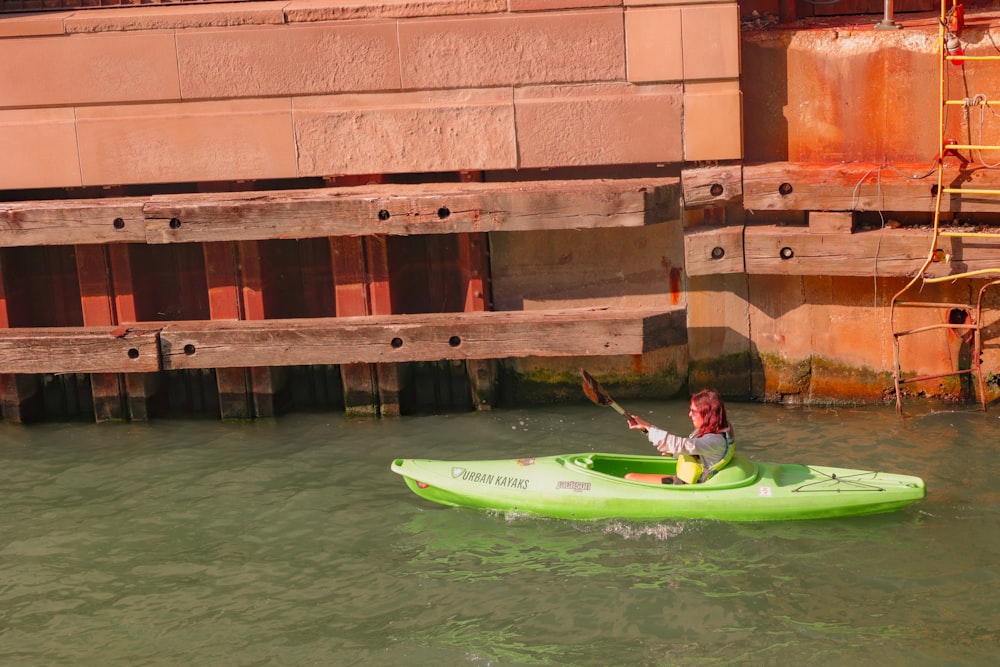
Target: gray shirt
[711,447]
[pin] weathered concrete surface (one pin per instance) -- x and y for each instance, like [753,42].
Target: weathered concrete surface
[829,91]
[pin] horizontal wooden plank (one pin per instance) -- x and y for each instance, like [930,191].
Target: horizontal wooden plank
[790,186]
[712,186]
[712,251]
[430,337]
[786,250]
[150,347]
[883,252]
[69,222]
[79,350]
[434,208]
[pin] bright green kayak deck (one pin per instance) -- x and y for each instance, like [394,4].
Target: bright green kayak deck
[592,486]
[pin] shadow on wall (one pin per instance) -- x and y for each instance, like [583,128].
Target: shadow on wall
[736,373]
[764,84]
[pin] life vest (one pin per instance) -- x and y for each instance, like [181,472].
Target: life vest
[691,471]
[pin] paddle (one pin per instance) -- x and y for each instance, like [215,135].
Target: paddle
[595,392]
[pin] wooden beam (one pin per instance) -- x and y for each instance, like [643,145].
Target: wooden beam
[831,222]
[79,350]
[197,344]
[429,337]
[72,222]
[712,186]
[857,186]
[777,250]
[714,251]
[427,208]
[854,186]
[771,250]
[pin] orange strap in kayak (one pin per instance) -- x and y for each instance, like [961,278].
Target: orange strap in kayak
[648,477]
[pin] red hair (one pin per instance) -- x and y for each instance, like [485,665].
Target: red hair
[709,405]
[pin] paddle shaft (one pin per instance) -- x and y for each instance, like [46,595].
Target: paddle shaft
[596,393]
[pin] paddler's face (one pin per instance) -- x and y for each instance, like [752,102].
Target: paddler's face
[696,417]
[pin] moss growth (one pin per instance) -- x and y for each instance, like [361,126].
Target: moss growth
[732,375]
[540,384]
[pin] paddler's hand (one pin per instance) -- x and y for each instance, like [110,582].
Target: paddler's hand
[638,423]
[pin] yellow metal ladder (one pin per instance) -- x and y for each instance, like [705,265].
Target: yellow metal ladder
[965,319]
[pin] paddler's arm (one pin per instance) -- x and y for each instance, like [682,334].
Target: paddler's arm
[668,444]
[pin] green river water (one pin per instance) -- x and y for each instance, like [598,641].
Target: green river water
[289,542]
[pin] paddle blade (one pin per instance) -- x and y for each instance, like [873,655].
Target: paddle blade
[593,389]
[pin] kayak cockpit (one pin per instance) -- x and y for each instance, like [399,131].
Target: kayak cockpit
[739,472]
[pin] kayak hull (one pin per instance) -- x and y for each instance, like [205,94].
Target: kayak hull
[592,486]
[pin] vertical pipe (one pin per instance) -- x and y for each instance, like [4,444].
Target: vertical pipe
[887,21]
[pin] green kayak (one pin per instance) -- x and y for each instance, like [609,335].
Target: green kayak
[593,486]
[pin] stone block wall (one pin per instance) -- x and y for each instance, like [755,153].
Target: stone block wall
[321,88]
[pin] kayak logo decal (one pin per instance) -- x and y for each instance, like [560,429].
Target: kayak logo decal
[474,477]
[579,487]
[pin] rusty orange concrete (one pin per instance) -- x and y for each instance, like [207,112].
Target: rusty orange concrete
[842,93]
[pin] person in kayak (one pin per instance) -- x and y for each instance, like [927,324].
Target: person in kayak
[711,441]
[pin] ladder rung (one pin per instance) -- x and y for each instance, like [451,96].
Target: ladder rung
[971,147]
[969,191]
[932,304]
[987,235]
[968,102]
[972,58]
[959,276]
